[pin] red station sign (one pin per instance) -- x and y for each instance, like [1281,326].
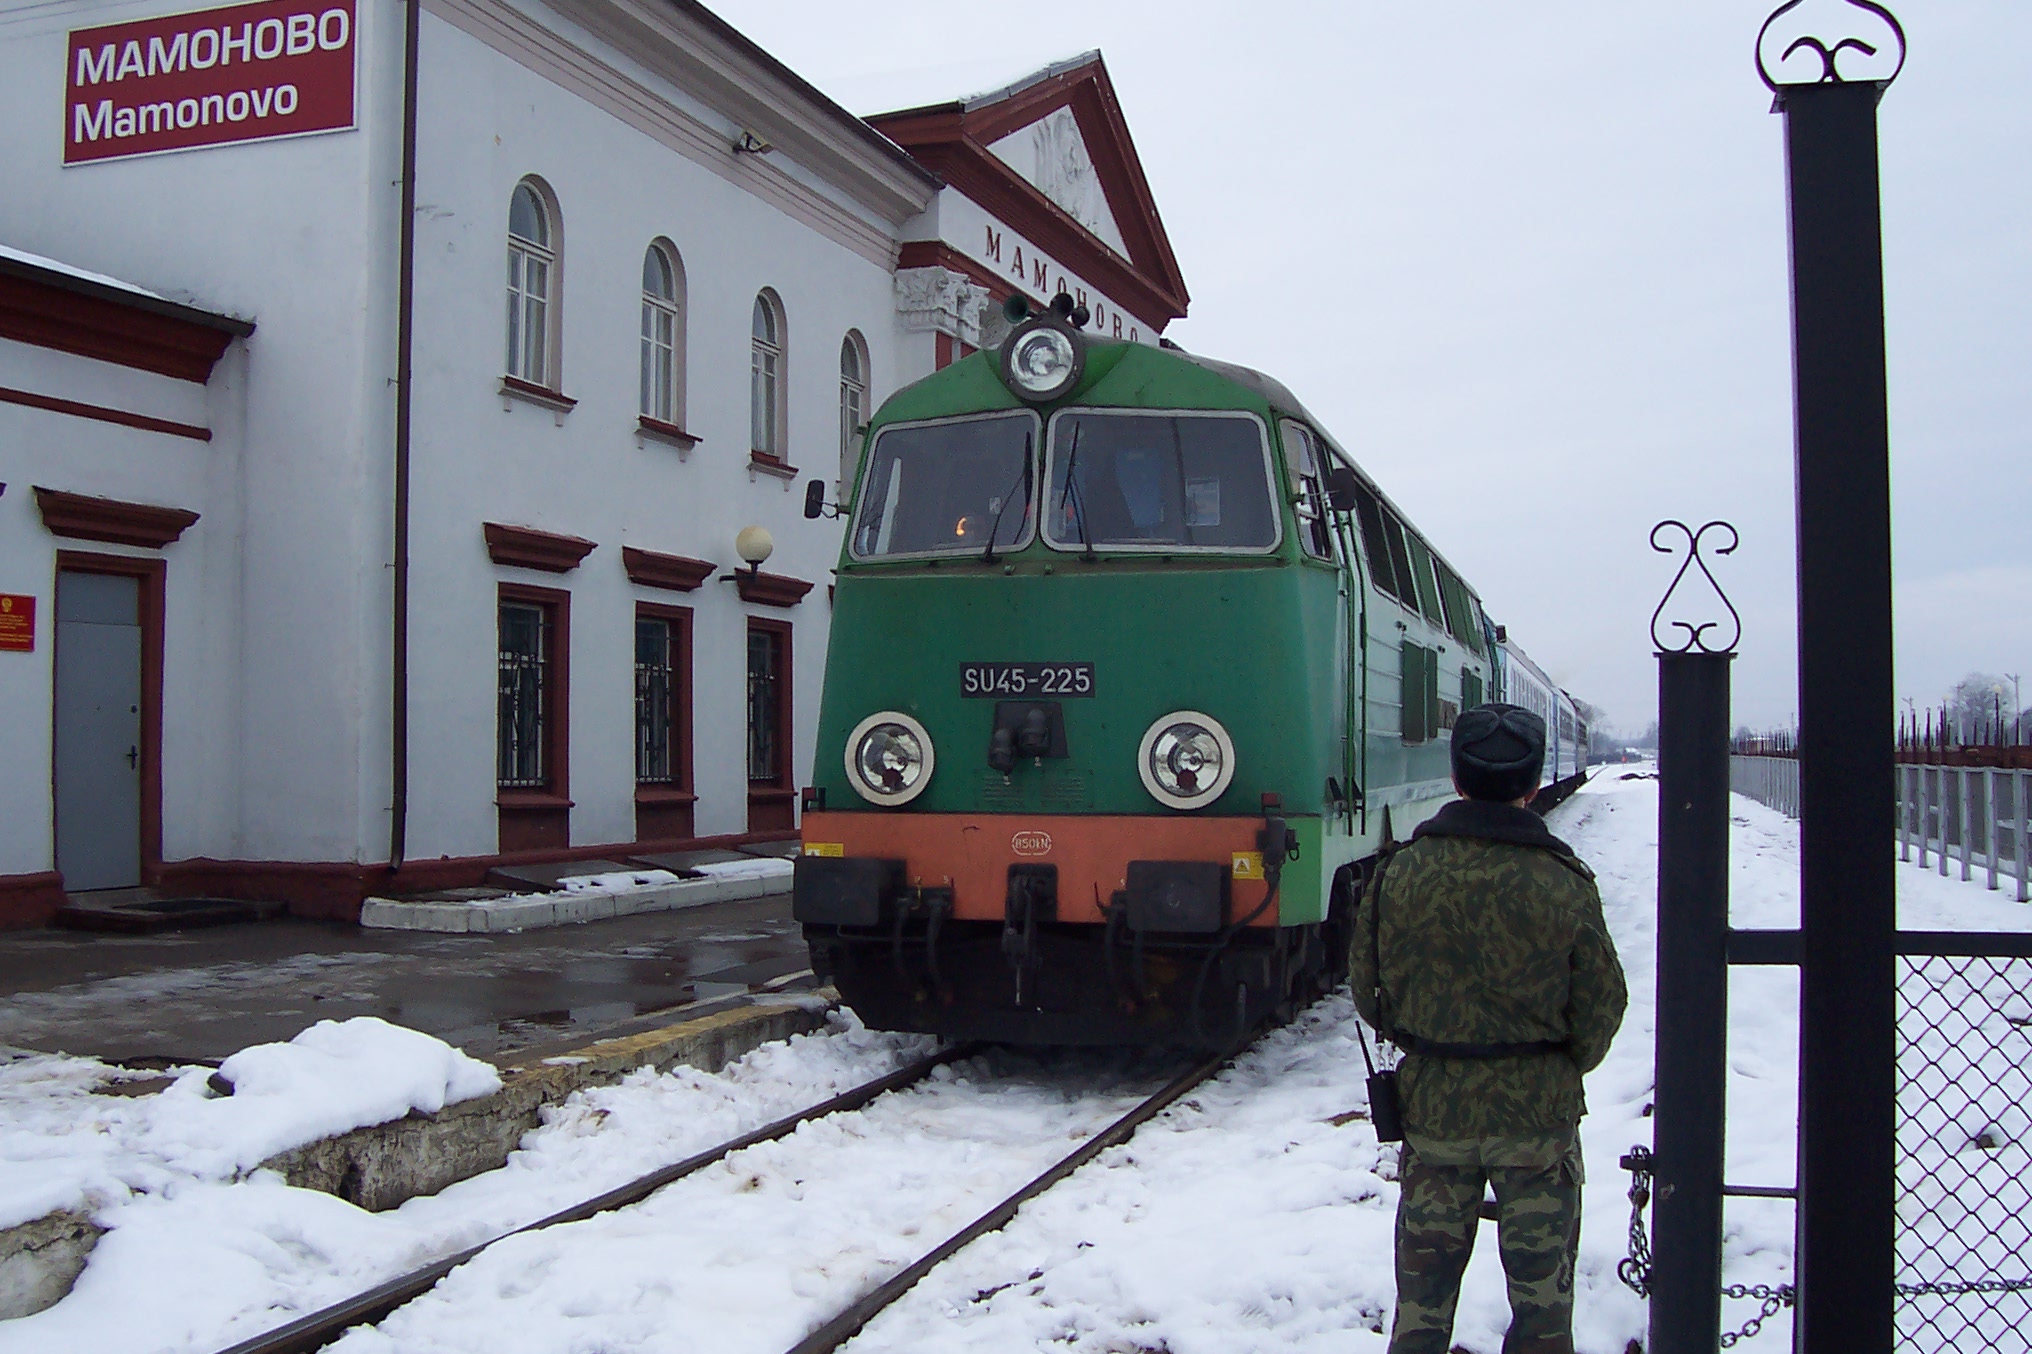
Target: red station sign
[209,78]
[17,622]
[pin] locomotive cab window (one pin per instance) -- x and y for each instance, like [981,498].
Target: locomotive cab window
[943,488]
[1170,482]
[1308,488]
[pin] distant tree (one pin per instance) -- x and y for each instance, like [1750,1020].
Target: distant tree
[1977,705]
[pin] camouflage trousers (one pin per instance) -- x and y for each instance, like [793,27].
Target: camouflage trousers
[1537,1182]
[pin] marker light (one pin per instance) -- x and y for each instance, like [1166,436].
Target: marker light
[1186,760]
[889,758]
[1041,361]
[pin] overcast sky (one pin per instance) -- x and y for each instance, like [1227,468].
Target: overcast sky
[1528,262]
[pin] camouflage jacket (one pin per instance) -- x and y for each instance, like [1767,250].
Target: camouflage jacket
[1490,931]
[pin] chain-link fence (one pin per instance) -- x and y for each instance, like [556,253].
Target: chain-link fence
[1964,1164]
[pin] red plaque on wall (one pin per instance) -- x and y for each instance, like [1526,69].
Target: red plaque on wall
[17,623]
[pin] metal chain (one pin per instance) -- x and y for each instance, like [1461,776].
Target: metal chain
[1773,1298]
[1635,1269]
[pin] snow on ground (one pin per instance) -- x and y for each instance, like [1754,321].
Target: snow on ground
[196,1264]
[1244,1219]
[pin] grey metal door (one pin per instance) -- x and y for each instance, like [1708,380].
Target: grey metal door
[98,730]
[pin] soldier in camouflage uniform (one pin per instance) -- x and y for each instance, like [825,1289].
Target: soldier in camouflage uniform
[1480,950]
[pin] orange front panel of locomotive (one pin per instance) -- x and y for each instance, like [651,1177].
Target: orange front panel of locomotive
[973,852]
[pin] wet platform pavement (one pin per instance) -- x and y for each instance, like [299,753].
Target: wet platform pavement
[200,995]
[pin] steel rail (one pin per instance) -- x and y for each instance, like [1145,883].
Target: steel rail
[848,1323]
[313,1332]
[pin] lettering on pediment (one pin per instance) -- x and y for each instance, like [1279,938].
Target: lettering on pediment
[1051,156]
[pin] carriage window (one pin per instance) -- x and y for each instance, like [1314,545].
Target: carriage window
[942,488]
[1170,482]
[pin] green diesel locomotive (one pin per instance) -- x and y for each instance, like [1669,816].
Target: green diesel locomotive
[1131,672]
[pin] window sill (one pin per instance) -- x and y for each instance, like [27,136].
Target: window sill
[530,799]
[769,794]
[661,795]
[764,463]
[514,388]
[649,429]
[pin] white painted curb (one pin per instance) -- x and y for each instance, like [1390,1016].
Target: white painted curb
[528,911]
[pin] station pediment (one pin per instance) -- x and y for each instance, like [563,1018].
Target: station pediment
[1051,158]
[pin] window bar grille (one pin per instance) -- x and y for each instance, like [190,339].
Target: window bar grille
[523,699]
[762,706]
[653,692]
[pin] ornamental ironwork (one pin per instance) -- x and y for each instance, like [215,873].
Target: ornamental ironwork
[1696,630]
[1891,32]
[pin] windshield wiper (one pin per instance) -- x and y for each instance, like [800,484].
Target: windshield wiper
[988,554]
[1079,511]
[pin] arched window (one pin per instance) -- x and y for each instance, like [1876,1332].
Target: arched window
[662,334]
[765,378]
[853,408]
[532,285]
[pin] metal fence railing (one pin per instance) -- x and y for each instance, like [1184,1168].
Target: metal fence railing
[1964,1159]
[1976,815]
[1977,819]
[1771,781]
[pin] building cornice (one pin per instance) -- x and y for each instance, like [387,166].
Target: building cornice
[84,518]
[769,589]
[704,55]
[54,309]
[869,232]
[677,573]
[528,548]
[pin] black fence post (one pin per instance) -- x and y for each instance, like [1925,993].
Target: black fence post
[1693,1006]
[1848,916]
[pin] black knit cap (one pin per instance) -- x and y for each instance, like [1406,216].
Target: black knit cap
[1498,752]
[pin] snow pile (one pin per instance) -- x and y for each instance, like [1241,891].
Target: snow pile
[62,1146]
[333,1077]
[619,879]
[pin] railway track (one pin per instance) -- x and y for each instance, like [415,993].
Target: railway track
[321,1328]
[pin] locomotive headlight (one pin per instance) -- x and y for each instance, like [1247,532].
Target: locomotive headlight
[1041,361]
[1186,760]
[889,758]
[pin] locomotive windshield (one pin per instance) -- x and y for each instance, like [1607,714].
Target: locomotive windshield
[943,488]
[1175,482]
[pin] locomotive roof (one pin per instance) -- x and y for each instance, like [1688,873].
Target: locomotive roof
[1278,396]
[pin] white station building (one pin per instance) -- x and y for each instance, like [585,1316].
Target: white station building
[341,558]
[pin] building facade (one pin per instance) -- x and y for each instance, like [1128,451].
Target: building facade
[362,557]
